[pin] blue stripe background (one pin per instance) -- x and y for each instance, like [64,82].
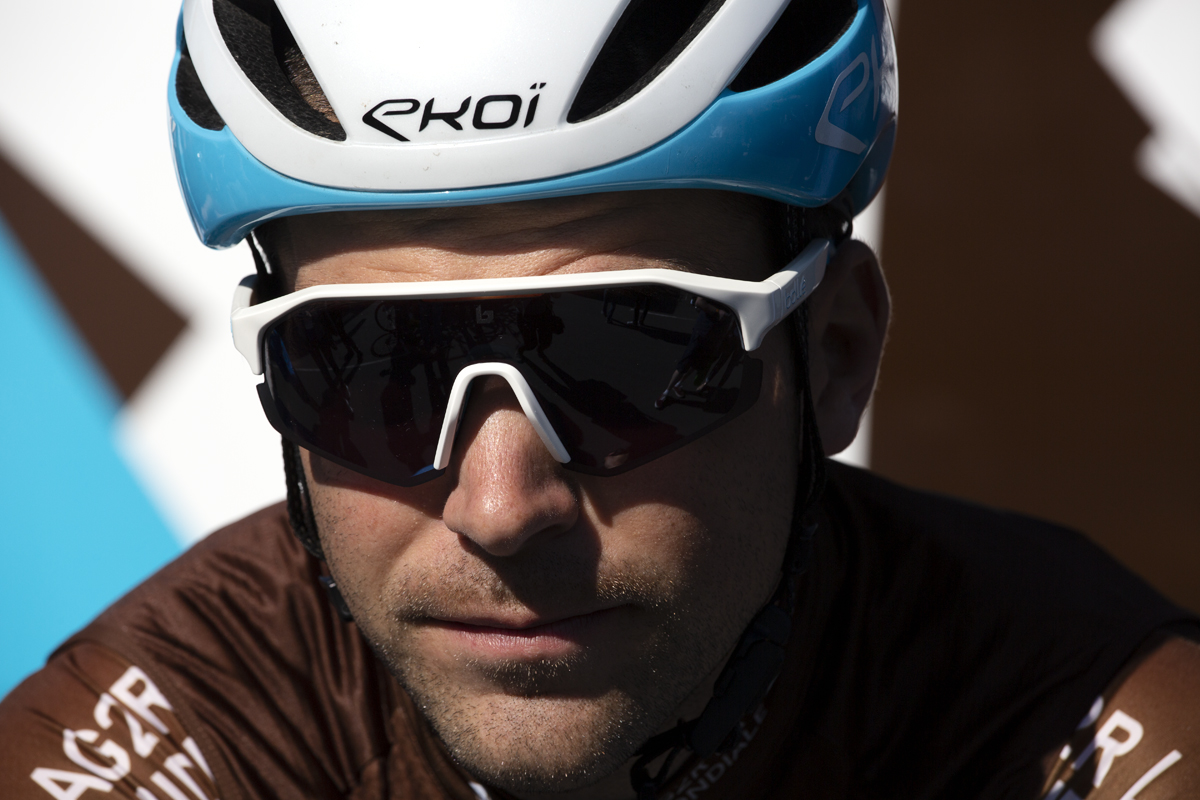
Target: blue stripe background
[76,529]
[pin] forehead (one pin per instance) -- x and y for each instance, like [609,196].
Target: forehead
[707,231]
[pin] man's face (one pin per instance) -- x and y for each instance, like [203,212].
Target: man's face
[547,622]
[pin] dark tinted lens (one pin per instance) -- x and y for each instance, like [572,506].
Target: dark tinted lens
[363,383]
[627,374]
[623,374]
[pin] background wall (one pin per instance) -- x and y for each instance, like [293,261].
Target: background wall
[1043,355]
[1042,245]
[130,425]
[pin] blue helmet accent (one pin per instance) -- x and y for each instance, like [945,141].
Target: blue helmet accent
[821,134]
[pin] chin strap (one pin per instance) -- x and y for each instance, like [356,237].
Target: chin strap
[746,679]
[758,658]
[299,507]
[304,525]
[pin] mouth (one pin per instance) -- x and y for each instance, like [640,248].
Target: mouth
[532,638]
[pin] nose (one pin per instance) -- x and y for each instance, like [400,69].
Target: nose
[509,489]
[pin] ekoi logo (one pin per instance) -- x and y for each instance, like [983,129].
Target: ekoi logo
[832,135]
[399,118]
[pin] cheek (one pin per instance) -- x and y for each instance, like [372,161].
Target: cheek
[367,527]
[715,515]
[749,487]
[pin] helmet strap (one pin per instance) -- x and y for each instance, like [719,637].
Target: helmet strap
[299,503]
[269,283]
[304,525]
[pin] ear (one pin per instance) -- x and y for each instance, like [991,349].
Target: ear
[848,319]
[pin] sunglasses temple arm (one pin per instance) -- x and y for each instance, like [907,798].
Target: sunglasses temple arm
[244,323]
[791,286]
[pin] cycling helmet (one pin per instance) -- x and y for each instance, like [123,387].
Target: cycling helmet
[461,102]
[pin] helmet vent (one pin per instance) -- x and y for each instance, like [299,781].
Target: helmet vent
[805,30]
[649,35]
[191,95]
[262,45]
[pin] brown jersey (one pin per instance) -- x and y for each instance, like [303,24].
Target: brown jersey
[940,650]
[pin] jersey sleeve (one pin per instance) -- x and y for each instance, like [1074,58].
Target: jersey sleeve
[92,724]
[1141,738]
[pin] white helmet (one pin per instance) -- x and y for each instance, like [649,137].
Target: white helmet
[409,103]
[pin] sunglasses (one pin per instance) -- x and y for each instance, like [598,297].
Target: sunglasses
[612,369]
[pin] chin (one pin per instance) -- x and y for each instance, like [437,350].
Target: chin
[540,744]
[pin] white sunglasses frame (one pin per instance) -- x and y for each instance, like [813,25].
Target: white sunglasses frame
[759,305]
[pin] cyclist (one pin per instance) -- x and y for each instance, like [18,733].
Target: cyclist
[510,563]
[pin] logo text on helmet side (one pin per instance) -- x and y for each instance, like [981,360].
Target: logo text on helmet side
[832,135]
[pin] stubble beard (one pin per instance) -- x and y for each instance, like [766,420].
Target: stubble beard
[528,735]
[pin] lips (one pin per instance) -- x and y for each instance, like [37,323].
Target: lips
[531,638]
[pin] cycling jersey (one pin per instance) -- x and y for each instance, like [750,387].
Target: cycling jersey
[940,650]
